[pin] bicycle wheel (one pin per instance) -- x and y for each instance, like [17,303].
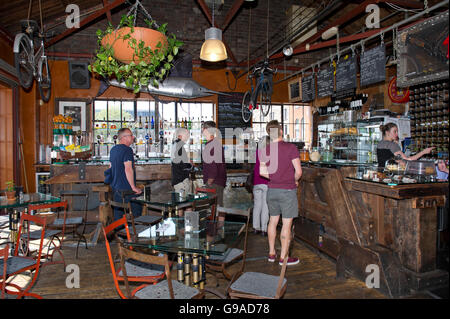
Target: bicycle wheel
[265,97]
[23,66]
[45,80]
[246,111]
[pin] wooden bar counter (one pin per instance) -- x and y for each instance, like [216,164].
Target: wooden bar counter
[360,223]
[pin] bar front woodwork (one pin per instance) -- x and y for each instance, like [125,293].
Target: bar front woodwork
[362,223]
[62,174]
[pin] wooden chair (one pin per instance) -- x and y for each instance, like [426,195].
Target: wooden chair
[4,252]
[28,262]
[137,272]
[257,285]
[56,233]
[165,289]
[206,205]
[73,223]
[219,264]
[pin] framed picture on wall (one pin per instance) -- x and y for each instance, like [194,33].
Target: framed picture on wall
[77,109]
[295,90]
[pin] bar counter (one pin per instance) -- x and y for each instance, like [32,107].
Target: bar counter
[361,223]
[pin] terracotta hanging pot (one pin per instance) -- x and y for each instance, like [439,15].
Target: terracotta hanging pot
[123,52]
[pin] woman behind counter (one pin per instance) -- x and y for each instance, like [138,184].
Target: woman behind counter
[388,147]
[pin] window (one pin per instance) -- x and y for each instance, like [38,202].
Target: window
[149,121]
[296,121]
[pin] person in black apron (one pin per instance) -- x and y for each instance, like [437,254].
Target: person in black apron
[388,148]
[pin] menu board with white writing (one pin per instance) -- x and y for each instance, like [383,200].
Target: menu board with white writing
[308,88]
[346,74]
[325,82]
[373,66]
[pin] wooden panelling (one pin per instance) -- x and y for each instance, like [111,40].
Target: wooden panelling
[6,136]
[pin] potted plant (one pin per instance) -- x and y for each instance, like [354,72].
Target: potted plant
[138,56]
[10,191]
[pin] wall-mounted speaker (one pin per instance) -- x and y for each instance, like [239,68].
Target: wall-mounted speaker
[79,75]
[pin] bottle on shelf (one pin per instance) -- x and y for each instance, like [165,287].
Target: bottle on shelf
[189,124]
[161,124]
[152,124]
[146,123]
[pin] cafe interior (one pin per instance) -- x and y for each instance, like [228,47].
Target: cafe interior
[332,73]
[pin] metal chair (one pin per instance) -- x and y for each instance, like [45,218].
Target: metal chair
[165,289]
[135,229]
[257,285]
[51,234]
[4,252]
[209,205]
[27,261]
[219,264]
[72,223]
[136,272]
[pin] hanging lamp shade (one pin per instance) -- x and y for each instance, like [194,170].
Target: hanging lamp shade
[213,49]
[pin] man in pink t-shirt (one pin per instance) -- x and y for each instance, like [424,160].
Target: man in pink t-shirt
[280,163]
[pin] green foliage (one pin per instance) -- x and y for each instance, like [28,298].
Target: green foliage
[154,63]
[10,187]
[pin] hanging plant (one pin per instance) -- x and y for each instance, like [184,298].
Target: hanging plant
[135,55]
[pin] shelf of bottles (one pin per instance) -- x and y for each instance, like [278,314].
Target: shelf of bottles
[153,137]
[354,103]
[429,109]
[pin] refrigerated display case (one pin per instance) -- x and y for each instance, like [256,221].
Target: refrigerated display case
[41,187]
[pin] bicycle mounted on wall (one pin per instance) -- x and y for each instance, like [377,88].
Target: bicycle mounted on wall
[260,94]
[30,64]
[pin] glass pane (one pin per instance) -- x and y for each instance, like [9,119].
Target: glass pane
[208,112]
[128,110]
[274,114]
[114,110]
[195,113]
[143,111]
[257,115]
[100,110]
[182,112]
[166,112]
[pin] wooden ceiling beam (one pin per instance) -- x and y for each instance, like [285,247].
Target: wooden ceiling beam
[232,13]
[85,21]
[108,13]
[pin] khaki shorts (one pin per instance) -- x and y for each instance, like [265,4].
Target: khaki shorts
[184,185]
[282,202]
[219,192]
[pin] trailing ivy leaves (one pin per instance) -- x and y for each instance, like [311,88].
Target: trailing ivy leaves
[154,63]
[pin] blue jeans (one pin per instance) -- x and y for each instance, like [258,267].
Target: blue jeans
[136,208]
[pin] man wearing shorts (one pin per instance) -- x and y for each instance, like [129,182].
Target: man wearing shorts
[280,163]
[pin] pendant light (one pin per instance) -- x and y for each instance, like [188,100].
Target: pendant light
[213,49]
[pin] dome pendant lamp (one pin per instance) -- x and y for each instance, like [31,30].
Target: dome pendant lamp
[213,49]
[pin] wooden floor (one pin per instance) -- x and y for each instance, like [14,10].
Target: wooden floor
[314,277]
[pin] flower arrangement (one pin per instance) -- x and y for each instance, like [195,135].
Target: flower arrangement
[148,65]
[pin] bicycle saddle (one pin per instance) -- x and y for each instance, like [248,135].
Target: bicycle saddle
[30,26]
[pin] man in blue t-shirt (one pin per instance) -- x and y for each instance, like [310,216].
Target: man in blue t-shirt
[123,172]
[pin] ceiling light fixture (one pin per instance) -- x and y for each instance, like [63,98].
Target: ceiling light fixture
[213,49]
[287,50]
[331,32]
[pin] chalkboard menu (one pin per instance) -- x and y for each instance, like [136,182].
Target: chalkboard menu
[346,74]
[230,112]
[325,82]
[372,66]
[308,88]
